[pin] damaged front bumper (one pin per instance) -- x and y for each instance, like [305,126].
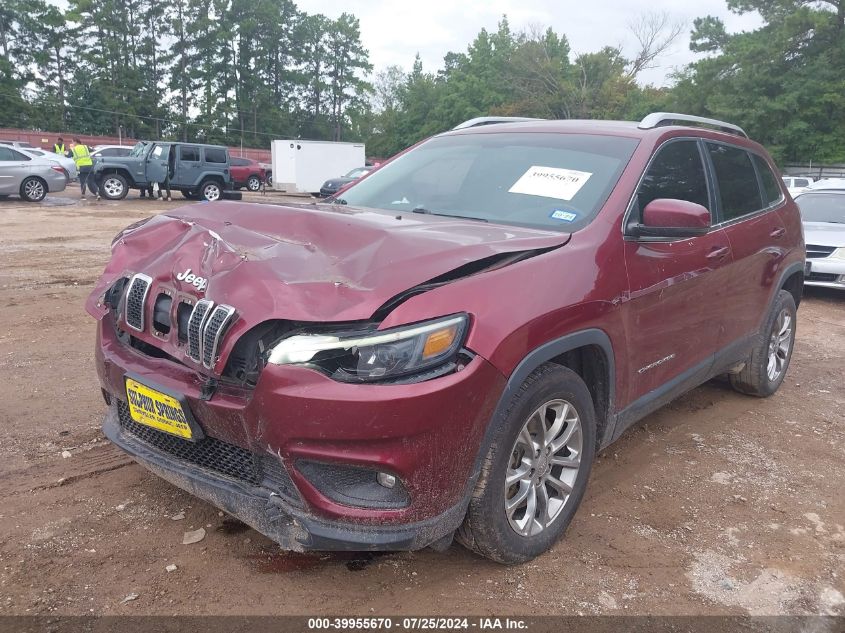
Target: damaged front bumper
[265,510]
[297,456]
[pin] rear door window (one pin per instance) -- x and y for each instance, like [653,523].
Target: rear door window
[737,181]
[770,183]
[189,153]
[677,172]
[7,154]
[215,155]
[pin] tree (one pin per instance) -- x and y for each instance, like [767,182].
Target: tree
[15,60]
[346,58]
[783,82]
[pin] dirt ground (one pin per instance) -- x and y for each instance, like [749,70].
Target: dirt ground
[717,504]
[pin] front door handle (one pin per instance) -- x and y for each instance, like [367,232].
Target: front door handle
[778,233]
[719,252]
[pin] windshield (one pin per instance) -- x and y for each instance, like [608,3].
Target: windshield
[357,172]
[822,207]
[548,181]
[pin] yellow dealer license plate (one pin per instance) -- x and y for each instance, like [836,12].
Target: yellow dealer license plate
[158,410]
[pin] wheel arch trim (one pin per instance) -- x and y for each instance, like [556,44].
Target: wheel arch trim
[531,361]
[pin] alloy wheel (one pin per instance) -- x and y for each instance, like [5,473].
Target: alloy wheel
[253,184]
[543,466]
[779,345]
[113,187]
[211,192]
[34,190]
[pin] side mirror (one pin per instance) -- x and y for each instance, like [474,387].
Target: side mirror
[665,217]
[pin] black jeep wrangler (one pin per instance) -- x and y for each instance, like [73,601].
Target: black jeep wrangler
[198,171]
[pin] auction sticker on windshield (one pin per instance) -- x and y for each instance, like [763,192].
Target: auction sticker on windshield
[150,407]
[551,182]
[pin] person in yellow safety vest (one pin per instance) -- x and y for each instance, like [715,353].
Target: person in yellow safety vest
[59,147]
[82,158]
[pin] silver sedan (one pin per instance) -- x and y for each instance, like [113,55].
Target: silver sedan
[29,177]
[68,163]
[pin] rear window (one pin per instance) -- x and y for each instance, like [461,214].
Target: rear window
[770,183]
[737,181]
[548,181]
[215,155]
[822,207]
[802,182]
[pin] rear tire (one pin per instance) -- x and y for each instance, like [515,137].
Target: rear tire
[540,457]
[33,189]
[253,183]
[113,187]
[765,369]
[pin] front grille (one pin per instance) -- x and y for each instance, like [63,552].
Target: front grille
[215,455]
[822,277]
[136,299]
[814,251]
[195,328]
[220,318]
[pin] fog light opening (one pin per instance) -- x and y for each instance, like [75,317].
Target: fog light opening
[386,479]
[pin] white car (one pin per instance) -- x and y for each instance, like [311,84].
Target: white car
[67,164]
[18,144]
[111,150]
[823,216]
[796,184]
[827,183]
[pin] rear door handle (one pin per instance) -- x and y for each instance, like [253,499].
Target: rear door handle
[719,252]
[778,233]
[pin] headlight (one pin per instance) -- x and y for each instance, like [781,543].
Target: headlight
[839,253]
[375,355]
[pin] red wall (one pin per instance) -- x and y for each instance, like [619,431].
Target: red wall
[45,140]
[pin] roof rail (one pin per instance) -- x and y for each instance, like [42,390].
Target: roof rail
[490,120]
[657,119]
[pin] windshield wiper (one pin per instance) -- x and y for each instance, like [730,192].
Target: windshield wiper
[447,215]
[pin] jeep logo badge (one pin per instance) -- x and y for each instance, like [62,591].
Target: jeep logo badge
[200,283]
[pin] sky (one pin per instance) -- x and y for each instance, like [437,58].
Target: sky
[396,30]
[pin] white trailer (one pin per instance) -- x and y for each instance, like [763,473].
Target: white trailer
[303,166]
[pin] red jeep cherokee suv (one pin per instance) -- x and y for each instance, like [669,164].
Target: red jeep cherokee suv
[442,350]
[247,173]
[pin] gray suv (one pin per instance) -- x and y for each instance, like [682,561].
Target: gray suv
[198,171]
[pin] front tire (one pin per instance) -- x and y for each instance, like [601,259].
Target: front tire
[114,187]
[536,470]
[765,369]
[33,189]
[253,183]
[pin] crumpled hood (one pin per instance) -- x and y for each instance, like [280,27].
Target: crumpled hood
[309,263]
[824,234]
